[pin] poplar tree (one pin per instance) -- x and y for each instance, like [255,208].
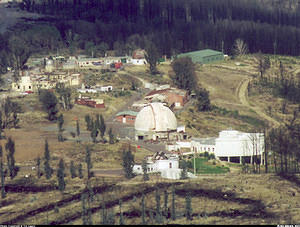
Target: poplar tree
[88,121]
[94,132]
[47,168]
[145,174]
[38,164]
[61,175]
[128,163]
[60,122]
[1,125]
[77,130]
[111,136]
[72,170]
[80,174]
[10,148]
[102,127]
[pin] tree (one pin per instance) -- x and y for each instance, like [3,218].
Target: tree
[203,101]
[152,57]
[143,210]
[263,63]
[111,136]
[165,203]
[47,168]
[188,206]
[173,212]
[145,174]
[88,161]
[102,126]
[88,120]
[10,110]
[49,101]
[128,163]
[80,175]
[38,165]
[158,215]
[121,222]
[84,211]
[2,172]
[72,170]
[64,96]
[184,76]
[183,174]
[240,48]
[10,149]
[94,132]
[60,122]
[77,130]
[61,175]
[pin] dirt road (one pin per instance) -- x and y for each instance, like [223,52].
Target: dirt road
[242,94]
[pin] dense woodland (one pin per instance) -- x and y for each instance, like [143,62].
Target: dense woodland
[174,26]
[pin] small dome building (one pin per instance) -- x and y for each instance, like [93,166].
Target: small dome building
[154,122]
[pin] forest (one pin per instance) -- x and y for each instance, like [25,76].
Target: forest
[174,26]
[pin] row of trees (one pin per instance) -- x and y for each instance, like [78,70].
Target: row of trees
[156,215]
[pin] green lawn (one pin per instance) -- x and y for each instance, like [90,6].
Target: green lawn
[205,167]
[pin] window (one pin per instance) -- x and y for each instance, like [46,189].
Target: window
[29,87]
[208,149]
[170,165]
[148,169]
[138,168]
[213,149]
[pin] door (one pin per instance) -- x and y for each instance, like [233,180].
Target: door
[124,119]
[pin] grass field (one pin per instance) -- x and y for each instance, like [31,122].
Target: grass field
[203,166]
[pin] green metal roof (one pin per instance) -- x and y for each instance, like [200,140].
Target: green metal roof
[201,53]
[127,112]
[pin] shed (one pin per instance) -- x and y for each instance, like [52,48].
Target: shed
[127,116]
[204,56]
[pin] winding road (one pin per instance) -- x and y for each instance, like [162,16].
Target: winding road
[242,93]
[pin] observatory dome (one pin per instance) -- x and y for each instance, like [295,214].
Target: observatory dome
[155,117]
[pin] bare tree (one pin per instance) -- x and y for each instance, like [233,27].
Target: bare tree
[240,48]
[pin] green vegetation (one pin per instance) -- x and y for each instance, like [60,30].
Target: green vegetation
[205,167]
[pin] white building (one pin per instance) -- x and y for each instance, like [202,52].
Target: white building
[154,122]
[234,145]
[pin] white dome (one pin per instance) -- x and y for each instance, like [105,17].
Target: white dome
[155,117]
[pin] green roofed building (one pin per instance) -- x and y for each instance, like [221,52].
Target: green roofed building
[204,56]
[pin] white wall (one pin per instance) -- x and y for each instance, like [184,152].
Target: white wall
[235,144]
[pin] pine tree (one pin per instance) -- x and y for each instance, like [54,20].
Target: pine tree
[145,174]
[3,192]
[47,168]
[152,57]
[72,170]
[61,175]
[10,148]
[80,174]
[38,165]
[173,212]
